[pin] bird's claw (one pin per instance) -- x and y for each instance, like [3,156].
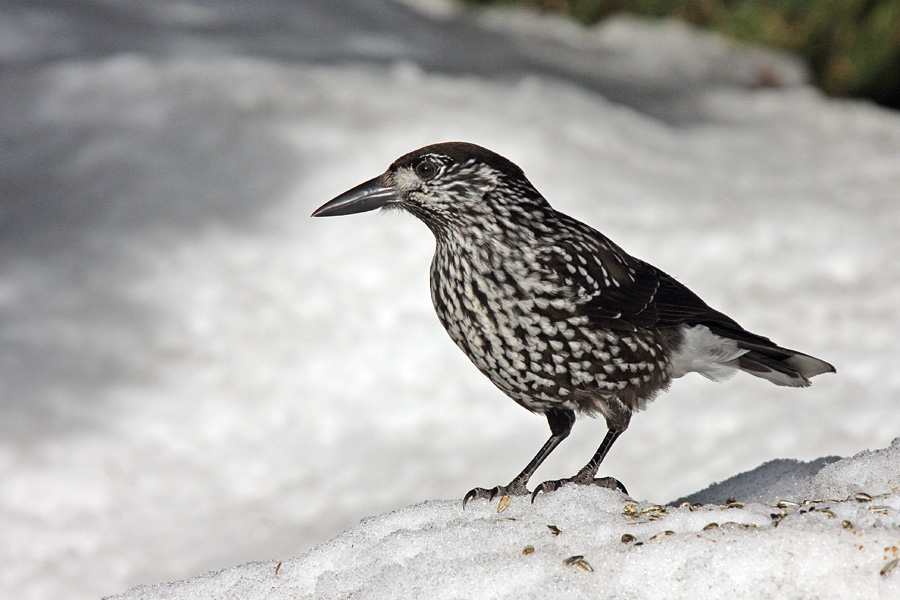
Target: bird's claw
[489,495]
[512,489]
[547,486]
[605,482]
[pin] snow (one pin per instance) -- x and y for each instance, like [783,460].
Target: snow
[195,374]
[814,541]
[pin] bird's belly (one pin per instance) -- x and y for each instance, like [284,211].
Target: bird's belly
[542,356]
[489,331]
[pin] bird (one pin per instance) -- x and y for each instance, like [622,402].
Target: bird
[554,313]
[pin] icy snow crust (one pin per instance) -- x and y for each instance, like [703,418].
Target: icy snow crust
[595,543]
[195,374]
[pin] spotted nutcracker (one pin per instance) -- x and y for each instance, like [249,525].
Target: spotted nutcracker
[554,313]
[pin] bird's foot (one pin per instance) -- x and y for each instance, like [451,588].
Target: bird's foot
[606,482]
[515,488]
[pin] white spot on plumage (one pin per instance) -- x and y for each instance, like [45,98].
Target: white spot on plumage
[561,304]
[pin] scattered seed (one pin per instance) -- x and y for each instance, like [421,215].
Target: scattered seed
[630,510]
[661,535]
[685,505]
[710,526]
[889,567]
[277,568]
[879,508]
[696,506]
[786,504]
[584,565]
[827,511]
[578,562]
[736,504]
[653,517]
[638,544]
[846,524]
[504,502]
[730,500]
[862,497]
[653,508]
[627,538]
[527,550]
[554,529]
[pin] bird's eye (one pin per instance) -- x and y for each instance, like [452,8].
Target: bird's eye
[426,170]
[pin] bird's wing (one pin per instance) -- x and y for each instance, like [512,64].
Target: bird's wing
[618,291]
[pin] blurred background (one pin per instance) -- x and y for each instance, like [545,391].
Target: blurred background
[195,374]
[852,47]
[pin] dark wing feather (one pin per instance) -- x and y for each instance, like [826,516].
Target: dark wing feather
[627,293]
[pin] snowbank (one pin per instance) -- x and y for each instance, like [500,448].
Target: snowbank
[835,535]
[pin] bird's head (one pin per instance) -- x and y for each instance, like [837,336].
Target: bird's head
[453,183]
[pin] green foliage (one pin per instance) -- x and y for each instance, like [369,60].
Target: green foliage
[851,46]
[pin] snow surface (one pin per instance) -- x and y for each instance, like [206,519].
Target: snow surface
[831,542]
[195,374]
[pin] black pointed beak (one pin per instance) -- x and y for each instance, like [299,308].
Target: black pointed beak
[364,197]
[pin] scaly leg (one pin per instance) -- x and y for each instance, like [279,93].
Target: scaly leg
[586,475]
[561,422]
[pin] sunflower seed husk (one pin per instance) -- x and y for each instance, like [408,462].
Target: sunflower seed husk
[889,567]
[584,565]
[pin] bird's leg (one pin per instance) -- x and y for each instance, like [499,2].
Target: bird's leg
[586,475]
[560,422]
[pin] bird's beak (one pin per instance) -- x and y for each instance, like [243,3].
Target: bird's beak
[364,197]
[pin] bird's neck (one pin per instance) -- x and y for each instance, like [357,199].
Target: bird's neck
[493,229]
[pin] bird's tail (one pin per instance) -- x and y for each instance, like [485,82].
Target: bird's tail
[768,360]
